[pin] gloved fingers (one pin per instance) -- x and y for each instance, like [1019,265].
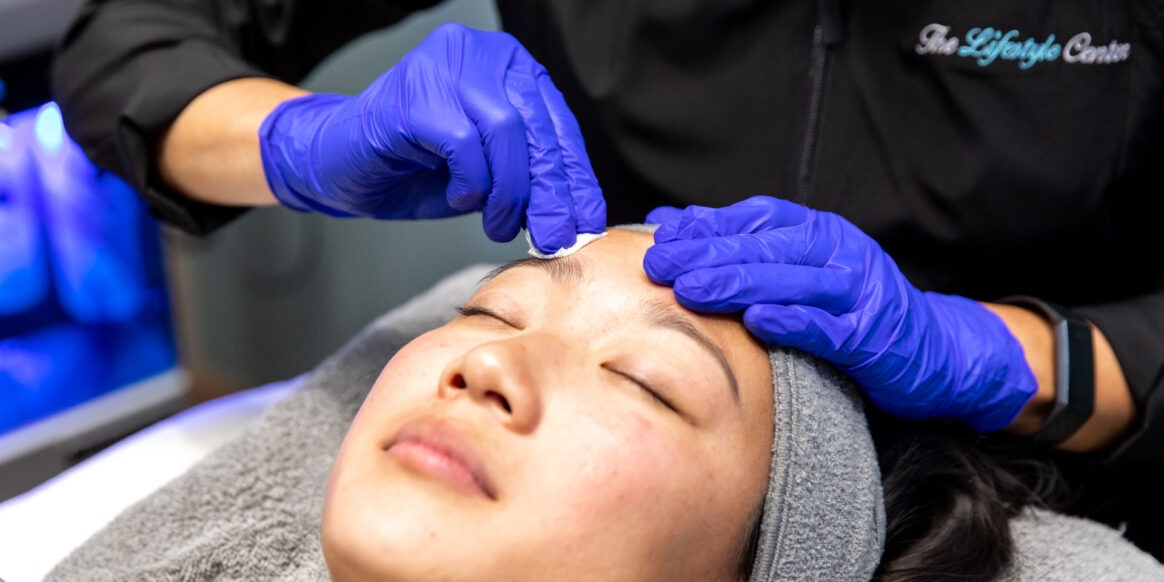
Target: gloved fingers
[813,330]
[752,215]
[482,95]
[690,223]
[663,214]
[589,205]
[440,125]
[418,192]
[550,214]
[503,136]
[664,262]
[736,287]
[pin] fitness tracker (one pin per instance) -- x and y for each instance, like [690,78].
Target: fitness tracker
[1074,371]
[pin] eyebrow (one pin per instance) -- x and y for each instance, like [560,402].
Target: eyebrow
[564,270]
[569,271]
[661,314]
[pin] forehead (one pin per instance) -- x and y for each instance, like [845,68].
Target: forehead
[605,277]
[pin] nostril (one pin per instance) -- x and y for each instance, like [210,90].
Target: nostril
[458,381]
[499,400]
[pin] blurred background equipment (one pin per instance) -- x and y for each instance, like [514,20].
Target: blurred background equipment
[84,315]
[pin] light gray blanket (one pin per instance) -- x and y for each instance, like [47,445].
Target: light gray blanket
[251,510]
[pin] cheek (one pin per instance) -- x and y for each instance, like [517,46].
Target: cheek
[623,452]
[407,382]
[628,471]
[413,371]
[637,495]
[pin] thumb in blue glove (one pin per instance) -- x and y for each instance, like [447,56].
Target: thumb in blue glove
[814,281]
[467,121]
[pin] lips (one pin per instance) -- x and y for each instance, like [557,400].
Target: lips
[437,449]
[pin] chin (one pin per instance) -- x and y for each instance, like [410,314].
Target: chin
[396,530]
[355,555]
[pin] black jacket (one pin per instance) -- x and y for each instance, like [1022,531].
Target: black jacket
[992,148]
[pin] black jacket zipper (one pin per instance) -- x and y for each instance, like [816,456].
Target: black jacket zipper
[806,157]
[827,33]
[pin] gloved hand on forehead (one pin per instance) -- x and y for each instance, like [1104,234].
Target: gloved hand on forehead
[467,121]
[813,281]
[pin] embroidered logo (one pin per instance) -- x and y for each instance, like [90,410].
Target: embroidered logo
[987,45]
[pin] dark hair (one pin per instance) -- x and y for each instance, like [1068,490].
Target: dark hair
[751,543]
[949,496]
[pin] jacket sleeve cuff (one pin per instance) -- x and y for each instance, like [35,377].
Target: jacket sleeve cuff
[149,110]
[1135,330]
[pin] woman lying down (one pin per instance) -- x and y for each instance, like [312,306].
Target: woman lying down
[573,422]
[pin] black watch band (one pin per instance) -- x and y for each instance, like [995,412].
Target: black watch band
[1074,371]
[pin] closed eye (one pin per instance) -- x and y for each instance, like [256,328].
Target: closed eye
[471,310]
[645,388]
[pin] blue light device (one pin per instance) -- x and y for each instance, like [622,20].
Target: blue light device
[90,218]
[83,307]
[24,270]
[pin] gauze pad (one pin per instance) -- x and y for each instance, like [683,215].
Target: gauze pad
[584,239]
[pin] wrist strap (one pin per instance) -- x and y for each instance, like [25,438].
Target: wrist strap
[1074,371]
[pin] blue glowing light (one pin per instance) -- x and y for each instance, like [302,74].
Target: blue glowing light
[82,300]
[50,128]
[7,137]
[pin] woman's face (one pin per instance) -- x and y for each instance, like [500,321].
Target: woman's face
[574,423]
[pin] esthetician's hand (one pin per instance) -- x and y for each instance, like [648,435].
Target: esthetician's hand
[813,281]
[467,121]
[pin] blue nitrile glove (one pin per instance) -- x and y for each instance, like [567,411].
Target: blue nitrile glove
[466,121]
[813,281]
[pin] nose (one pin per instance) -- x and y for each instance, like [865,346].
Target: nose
[500,376]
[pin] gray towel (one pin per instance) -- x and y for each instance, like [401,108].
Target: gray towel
[251,510]
[824,516]
[1050,546]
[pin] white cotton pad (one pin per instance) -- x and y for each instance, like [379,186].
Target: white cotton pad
[584,239]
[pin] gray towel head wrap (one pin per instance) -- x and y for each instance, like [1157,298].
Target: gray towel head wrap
[824,514]
[251,509]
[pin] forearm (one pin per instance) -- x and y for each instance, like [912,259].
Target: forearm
[211,151]
[126,69]
[1115,411]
